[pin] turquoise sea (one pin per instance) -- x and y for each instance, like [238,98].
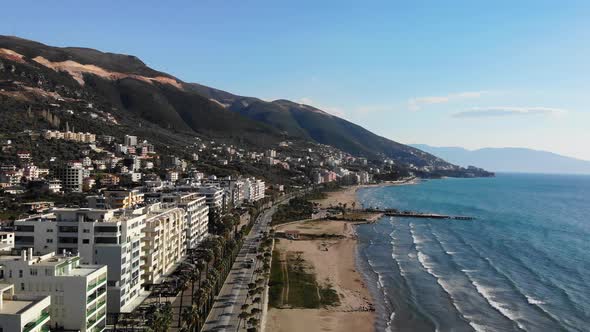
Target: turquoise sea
[522,265]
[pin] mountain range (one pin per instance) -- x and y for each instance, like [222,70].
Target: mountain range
[510,159]
[40,77]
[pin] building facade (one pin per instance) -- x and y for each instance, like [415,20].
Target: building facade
[78,292]
[100,236]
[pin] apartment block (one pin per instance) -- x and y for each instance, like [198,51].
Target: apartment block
[197,215]
[164,241]
[71,177]
[78,292]
[22,313]
[100,236]
[213,197]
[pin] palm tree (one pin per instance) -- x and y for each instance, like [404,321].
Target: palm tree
[161,319]
[243,315]
[183,288]
[195,276]
[207,256]
[191,318]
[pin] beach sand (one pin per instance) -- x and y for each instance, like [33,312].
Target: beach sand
[335,266]
[347,195]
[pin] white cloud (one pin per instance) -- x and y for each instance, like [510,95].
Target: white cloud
[415,104]
[486,112]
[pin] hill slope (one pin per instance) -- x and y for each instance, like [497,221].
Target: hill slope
[511,159]
[308,122]
[121,83]
[42,77]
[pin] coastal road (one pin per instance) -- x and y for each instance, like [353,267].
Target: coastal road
[227,306]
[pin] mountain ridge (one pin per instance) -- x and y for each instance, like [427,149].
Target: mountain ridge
[127,86]
[511,159]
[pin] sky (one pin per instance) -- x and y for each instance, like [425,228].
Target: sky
[445,73]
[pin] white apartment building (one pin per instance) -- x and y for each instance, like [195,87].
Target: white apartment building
[197,215]
[253,189]
[213,197]
[164,241]
[78,292]
[22,313]
[99,236]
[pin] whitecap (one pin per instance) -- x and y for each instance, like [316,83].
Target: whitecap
[533,301]
[487,294]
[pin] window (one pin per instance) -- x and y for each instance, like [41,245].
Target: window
[86,230]
[68,229]
[33,272]
[20,274]
[22,285]
[49,240]
[85,241]
[25,228]
[50,230]
[68,240]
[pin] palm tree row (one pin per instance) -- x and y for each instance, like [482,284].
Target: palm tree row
[255,289]
[215,257]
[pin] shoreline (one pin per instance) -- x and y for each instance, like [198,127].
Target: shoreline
[335,262]
[332,261]
[348,195]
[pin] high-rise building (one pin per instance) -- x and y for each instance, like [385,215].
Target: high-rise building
[197,215]
[164,241]
[78,292]
[100,236]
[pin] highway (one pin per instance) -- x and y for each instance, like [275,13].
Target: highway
[227,306]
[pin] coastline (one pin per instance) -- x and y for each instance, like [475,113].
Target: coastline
[335,262]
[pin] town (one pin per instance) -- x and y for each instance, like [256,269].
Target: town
[110,239]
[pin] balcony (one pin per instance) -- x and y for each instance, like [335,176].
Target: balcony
[93,297]
[99,282]
[44,318]
[93,321]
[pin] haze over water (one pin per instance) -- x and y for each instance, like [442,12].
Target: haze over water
[523,265]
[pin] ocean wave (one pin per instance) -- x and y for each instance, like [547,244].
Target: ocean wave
[534,301]
[486,293]
[390,322]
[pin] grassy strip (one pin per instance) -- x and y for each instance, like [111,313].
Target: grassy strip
[303,291]
[275,282]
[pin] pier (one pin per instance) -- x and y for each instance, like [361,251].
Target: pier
[414,214]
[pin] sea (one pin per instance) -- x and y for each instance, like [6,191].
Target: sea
[522,265]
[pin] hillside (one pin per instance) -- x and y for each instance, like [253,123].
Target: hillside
[308,122]
[511,159]
[120,84]
[57,80]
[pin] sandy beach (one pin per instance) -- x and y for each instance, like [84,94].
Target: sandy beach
[348,194]
[333,262]
[345,196]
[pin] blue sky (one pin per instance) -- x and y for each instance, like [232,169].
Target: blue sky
[445,73]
